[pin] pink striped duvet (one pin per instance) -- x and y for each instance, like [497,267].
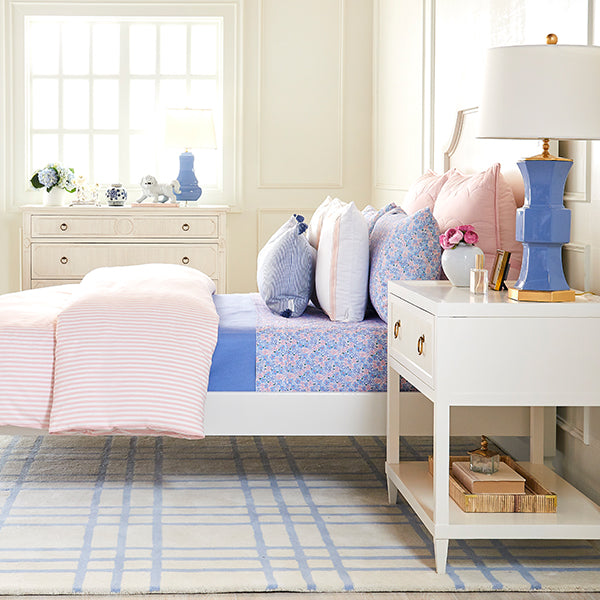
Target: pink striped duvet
[27,324]
[133,353]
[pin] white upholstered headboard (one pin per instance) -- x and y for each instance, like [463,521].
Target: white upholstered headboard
[471,155]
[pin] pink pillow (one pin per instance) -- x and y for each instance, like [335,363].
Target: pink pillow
[423,192]
[486,201]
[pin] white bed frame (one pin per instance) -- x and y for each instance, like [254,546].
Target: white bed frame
[251,413]
[364,413]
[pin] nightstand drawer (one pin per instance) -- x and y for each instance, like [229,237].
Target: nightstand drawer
[73,261]
[110,226]
[412,338]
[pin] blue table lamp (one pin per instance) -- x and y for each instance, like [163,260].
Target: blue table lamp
[542,92]
[189,128]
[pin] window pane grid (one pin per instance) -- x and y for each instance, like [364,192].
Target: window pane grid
[93,104]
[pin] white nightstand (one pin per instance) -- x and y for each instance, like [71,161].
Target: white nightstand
[62,244]
[464,350]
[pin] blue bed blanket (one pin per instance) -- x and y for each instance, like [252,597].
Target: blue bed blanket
[234,360]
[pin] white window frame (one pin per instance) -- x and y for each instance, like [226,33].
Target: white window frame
[17,184]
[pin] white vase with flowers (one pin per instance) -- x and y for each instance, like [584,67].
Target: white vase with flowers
[57,180]
[458,257]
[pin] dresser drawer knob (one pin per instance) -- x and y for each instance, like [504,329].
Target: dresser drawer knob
[185,260]
[185,227]
[64,260]
[421,345]
[397,326]
[64,227]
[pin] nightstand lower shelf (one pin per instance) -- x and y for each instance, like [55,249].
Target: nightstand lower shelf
[577,517]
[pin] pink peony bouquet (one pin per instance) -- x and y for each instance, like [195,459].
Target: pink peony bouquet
[454,235]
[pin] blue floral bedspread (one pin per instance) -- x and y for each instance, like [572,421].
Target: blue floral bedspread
[313,354]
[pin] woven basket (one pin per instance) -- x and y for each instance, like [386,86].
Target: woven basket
[536,499]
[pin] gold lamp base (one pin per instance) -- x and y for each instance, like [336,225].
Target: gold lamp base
[541,296]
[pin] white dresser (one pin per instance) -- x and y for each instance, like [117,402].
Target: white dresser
[464,350]
[62,244]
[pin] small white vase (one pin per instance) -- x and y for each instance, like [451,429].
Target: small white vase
[458,262]
[55,197]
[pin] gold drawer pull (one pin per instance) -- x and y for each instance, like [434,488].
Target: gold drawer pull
[185,260]
[420,345]
[64,260]
[185,227]
[397,326]
[64,227]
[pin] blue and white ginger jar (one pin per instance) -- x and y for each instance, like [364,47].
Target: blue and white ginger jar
[116,195]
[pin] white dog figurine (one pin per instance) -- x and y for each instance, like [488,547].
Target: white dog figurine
[154,190]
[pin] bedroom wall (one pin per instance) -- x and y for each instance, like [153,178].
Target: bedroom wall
[306,124]
[446,40]
[307,117]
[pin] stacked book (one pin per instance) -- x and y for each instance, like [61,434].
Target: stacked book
[503,481]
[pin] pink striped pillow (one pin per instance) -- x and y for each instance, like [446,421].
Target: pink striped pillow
[342,272]
[316,222]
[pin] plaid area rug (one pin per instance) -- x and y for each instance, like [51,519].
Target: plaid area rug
[137,515]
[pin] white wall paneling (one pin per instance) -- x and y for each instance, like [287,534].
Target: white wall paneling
[307,117]
[301,91]
[576,263]
[4,102]
[398,79]
[429,20]
[577,187]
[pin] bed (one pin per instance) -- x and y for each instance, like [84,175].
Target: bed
[303,376]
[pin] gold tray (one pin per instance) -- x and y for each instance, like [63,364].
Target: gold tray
[536,499]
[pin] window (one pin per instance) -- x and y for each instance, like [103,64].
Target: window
[95,88]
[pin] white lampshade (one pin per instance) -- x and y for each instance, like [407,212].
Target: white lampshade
[190,128]
[536,92]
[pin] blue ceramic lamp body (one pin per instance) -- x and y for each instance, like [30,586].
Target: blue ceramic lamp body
[543,225]
[190,190]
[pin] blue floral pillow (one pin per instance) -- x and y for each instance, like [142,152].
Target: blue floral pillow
[402,247]
[372,214]
[286,269]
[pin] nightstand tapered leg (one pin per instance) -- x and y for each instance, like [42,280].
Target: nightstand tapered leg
[441,470]
[392,492]
[440,549]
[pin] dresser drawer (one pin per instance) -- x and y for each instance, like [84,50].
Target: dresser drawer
[73,261]
[412,338]
[138,226]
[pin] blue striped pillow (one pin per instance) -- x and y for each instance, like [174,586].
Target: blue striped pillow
[286,269]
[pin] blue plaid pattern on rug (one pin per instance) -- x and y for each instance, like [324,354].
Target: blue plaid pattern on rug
[227,514]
